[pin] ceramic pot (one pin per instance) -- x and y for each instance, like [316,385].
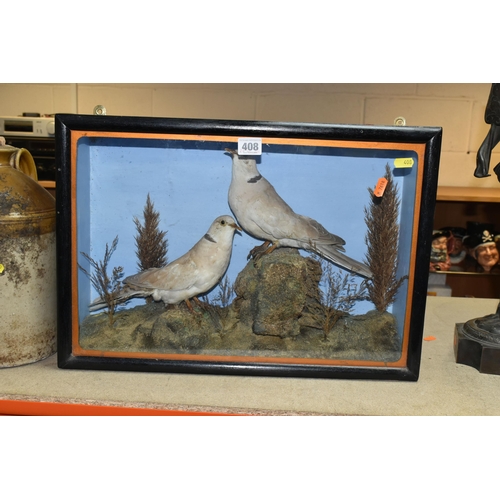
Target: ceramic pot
[28,305]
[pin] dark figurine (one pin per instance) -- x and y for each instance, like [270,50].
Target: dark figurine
[477,341]
[492,117]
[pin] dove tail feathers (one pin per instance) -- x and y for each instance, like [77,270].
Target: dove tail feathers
[126,294]
[344,261]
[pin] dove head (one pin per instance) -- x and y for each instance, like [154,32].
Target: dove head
[244,165]
[223,227]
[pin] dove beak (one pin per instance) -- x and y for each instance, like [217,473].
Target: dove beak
[238,228]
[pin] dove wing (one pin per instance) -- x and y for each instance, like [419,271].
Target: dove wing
[317,234]
[178,275]
[268,211]
[278,220]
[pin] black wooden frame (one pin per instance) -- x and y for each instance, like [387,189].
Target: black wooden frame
[429,137]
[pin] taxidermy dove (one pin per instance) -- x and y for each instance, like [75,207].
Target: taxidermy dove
[194,273]
[263,214]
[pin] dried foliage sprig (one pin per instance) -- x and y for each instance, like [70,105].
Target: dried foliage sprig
[108,287]
[337,295]
[226,293]
[218,306]
[152,245]
[382,240]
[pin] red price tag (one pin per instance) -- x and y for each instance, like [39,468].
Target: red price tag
[380,188]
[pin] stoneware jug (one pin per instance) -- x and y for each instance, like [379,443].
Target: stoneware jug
[28,306]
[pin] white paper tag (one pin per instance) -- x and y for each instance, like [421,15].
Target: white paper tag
[250,146]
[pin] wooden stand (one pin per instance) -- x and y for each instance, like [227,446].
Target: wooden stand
[472,352]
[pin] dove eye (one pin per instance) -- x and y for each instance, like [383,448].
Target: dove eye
[223,222]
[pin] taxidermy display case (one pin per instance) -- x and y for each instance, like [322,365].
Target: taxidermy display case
[244,248]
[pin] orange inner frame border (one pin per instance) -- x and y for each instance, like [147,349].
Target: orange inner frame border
[419,149]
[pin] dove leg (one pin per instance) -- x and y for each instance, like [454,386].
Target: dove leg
[189,305]
[200,304]
[259,250]
[262,250]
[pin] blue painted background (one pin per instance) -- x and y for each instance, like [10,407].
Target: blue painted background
[188,183]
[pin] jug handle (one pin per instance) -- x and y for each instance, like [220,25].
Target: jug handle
[23,161]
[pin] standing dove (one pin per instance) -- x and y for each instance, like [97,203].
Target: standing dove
[263,214]
[194,273]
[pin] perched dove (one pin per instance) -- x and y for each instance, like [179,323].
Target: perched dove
[194,273]
[263,214]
